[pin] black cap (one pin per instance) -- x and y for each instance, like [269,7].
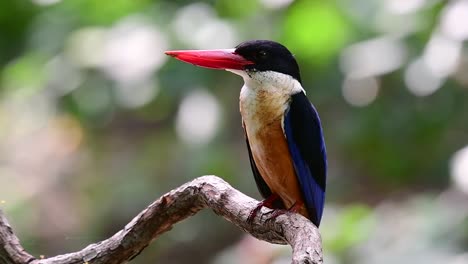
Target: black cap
[268,55]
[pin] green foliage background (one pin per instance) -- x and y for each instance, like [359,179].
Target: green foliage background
[81,154]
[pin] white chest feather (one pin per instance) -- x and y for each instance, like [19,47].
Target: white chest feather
[264,99]
[261,108]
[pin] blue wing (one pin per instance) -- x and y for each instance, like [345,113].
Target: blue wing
[307,148]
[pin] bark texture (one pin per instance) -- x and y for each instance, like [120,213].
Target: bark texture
[174,206]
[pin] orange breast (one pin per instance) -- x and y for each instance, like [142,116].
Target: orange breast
[271,154]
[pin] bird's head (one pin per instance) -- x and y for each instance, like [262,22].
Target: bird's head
[251,59]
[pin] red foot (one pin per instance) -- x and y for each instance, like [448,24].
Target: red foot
[268,202]
[294,209]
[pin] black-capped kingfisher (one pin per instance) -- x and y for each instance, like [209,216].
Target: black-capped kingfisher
[282,128]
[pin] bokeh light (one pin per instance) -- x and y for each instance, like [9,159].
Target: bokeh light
[85,47]
[442,55]
[45,2]
[276,4]
[420,80]
[198,117]
[198,27]
[404,6]
[135,94]
[315,41]
[373,57]
[459,169]
[62,76]
[360,91]
[133,50]
[454,20]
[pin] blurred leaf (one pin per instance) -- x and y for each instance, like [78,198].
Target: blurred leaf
[15,17]
[93,100]
[240,8]
[315,29]
[105,12]
[24,75]
[354,225]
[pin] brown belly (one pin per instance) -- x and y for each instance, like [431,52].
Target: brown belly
[271,155]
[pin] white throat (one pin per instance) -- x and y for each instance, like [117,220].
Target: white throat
[265,96]
[271,81]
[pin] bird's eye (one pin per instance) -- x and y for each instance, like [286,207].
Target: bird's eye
[262,54]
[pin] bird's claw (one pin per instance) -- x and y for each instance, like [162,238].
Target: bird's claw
[267,203]
[276,213]
[254,213]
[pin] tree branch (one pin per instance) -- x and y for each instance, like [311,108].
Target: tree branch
[174,206]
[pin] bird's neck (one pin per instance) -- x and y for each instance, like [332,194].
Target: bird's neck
[265,97]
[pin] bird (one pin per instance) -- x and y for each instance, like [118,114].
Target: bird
[283,131]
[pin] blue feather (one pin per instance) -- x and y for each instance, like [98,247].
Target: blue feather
[304,135]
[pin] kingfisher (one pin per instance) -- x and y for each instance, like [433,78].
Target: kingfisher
[282,128]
